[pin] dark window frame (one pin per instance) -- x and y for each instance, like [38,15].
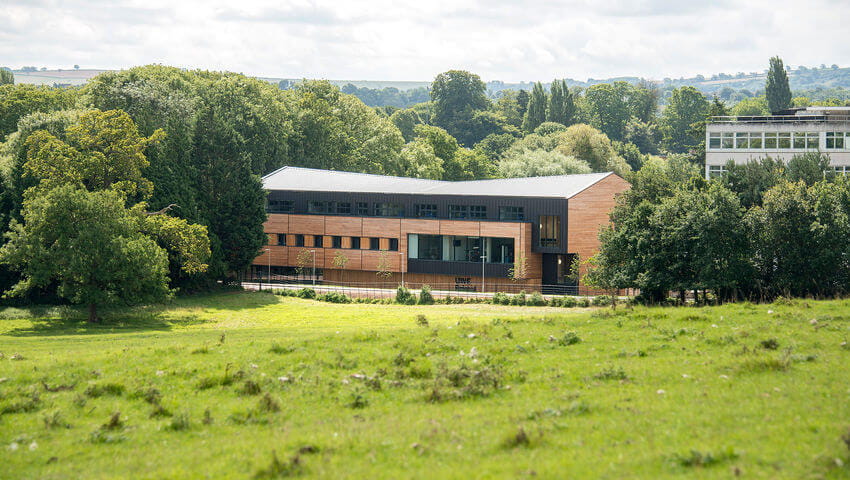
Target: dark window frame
[355,243]
[318,241]
[336,241]
[426,210]
[299,239]
[374,243]
[512,213]
[393,245]
[281,239]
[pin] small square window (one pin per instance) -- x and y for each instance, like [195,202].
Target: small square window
[426,210]
[318,240]
[477,211]
[281,239]
[458,211]
[299,240]
[355,243]
[336,242]
[714,140]
[394,244]
[362,209]
[374,243]
[343,208]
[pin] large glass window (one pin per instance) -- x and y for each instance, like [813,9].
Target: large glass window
[755,140]
[280,206]
[511,213]
[428,210]
[806,140]
[785,140]
[550,230]
[425,247]
[727,140]
[457,248]
[389,210]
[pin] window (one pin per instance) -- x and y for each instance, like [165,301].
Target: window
[389,210]
[355,243]
[343,208]
[425,247]
[714,140]
[394,244]
[550,230]
[362,209]
[511,213]
[716,170]
[317,207]
[771,140]
[742,140]
[477,211]
[336,242]
[318,241]
[841,170]
[727,140]
[299,240]
[806,140]
[458,211]
[785,140]
[458,248]
[835,140]
[755,140]
[280,206]
[281,239]
[428,210]
[374,243]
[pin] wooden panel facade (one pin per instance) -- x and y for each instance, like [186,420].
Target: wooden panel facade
[588,213]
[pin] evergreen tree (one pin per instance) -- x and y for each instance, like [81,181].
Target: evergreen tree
[555,113]
[536,112]
[522,99]
[6,76]
[777,89]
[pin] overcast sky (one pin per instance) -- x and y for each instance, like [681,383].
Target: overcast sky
[415,40]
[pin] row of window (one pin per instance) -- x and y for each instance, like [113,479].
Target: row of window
[766,140]
[318,241]
[422,210]
[460,248]
[718,170]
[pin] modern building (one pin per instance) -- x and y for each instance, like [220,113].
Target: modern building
[779,136]
[451,235]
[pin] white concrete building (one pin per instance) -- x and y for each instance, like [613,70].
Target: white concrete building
[742,139]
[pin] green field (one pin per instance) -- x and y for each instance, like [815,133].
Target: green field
[247,385]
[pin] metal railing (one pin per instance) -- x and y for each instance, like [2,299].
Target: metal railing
[782,119]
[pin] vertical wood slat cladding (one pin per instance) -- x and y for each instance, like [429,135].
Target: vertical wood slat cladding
[307,224]
[588,213]
[380,227]
[345,226]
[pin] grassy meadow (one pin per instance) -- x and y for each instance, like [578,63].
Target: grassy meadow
[242,385]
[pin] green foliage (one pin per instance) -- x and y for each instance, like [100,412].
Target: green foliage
[18,101]
[539,163]
[535,114]
[404,296]
[6,77]
[425,297]
[457,96]
[594,147]
[334,297]
[306,293]
[755,106]
[777,90]
[536,300]
[405,121]
[687,107]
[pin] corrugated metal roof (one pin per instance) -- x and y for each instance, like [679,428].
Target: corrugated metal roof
[309,179]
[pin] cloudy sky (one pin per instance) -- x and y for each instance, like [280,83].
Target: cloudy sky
[415,40]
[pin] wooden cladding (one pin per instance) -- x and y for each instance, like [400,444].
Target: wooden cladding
[588,214]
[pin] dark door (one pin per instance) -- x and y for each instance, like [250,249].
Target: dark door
[550,269]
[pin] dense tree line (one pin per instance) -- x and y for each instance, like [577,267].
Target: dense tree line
[762,230]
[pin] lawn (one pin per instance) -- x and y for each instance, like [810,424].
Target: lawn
[242,385]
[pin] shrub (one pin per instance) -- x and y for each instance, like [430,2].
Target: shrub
[536,300]
[334,297]
[307,293]
[404,296]
[569,338]
[519,298]
[612,373]
[425,297]
[770,344]
[601,301]
[500,298]
[421,320]
[583,302]
[568,302]
[102,389]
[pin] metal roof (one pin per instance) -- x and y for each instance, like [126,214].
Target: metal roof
[313,180]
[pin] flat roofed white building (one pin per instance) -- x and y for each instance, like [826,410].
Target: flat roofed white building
[794,131]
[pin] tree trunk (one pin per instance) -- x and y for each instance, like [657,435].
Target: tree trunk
[92,313]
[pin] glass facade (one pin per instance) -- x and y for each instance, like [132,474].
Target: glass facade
[459,248]
[775,140]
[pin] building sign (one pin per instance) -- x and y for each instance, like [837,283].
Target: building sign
[464,284]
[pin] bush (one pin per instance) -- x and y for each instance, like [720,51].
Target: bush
[404,296]
[568,302]
[536,300]
[569,338]
[425,297]
[307,293]
[583,302]
[519,298]
[334,297]
[602,301]
[500,298]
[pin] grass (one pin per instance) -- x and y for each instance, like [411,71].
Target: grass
[253,385]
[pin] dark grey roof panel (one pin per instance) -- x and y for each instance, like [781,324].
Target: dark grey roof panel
[308,179]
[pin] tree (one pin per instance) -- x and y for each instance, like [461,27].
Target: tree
[457,95]
[753,106]
[417,159]
[17,101]
[686,107]
[609,109]
[384,267]
[6,77]
[405,121]
[776,88]
[535,114]
[589,144]
[90,245]
[809,168]
[555,111]
[339,261]
[536,163]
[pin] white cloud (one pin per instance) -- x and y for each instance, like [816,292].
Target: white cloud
[415,40]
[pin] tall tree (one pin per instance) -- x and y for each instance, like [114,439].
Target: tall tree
[457,95]
[777,88]
[555,112]
[522,99]
[6,76]
[609,108]
[535,114]
[687,107]
[17,101]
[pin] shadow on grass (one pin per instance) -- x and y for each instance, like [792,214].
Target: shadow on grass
[67,320]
